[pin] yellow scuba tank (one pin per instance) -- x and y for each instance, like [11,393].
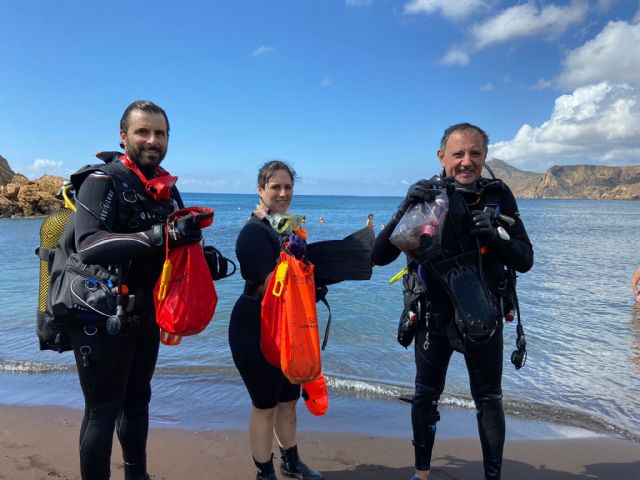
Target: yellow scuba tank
[50,232]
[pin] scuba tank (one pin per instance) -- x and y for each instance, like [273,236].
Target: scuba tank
[50,233]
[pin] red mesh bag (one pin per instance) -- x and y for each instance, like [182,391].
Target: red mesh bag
[185,297]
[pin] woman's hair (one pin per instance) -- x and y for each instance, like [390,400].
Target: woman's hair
[268,169]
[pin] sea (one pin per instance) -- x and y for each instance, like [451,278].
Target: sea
[581,321]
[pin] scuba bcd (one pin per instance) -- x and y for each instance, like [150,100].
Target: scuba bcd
[478,309]
[70,290]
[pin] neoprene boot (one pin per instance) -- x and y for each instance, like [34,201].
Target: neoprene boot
[291,466]
[94,472]
[135,471]
[491,426]
[265,470]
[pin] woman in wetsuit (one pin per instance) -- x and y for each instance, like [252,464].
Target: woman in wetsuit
[273,397]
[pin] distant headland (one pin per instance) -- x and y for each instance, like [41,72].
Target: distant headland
[571,181]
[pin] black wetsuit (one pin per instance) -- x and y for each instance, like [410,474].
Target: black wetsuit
[115,370]
[484,362]
[258,250]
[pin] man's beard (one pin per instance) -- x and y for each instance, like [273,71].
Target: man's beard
[138,156]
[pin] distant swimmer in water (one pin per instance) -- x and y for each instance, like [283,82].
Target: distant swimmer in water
[321,220]
[634,285]
[370,220]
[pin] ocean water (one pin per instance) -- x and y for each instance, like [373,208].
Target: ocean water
[582,326]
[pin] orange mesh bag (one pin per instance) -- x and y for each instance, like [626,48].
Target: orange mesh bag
[185,297]
[300,342]
[271,316]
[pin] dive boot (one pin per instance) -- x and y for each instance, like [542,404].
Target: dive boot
[136,471]
[265,470]
[291,466]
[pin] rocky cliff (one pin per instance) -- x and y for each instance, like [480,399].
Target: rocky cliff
[21,197]
[6,174]
[572,181]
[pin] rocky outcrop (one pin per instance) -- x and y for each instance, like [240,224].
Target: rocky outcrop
[572,181]
[589,181]
[520,181]
[6,174]
[21,197]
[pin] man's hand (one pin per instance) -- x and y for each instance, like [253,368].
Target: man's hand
[181,232]
[420,191]
[184,230]
[482,227]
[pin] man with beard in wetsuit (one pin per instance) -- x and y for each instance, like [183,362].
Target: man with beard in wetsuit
[122,208]
[462,154]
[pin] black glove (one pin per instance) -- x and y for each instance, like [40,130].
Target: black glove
[482,226]
[421,191]
[181,232]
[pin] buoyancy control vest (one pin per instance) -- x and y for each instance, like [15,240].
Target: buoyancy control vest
[469,279]
[136,212]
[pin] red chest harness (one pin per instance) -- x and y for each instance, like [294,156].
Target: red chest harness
[159,187]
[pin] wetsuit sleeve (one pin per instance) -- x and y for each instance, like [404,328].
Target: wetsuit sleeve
[384,252]
[516,253]
[257,252]
[96,215]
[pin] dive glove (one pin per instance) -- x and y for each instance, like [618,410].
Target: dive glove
[482,226]
[421,191]
[181,232]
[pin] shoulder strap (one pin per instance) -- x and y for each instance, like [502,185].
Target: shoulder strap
[321,294]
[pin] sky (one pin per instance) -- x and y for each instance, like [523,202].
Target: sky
[355,94]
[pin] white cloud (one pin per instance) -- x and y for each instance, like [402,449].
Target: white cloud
[46,165]
[542,84]
[358,3]
[487,87]
[326,82]
[604,5]
[527,20]
[596,124]
[451,9]
[228,184]
[456,56]
[613,55]
[262,50]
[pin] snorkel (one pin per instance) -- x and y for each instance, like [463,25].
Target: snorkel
[283,223]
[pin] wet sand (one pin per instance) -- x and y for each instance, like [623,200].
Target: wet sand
[42,443]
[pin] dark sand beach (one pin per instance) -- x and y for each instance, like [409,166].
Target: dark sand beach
[41,443]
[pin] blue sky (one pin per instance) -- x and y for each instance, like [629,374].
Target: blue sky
[354,93]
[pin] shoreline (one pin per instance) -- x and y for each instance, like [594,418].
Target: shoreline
[222,404]
[41,442]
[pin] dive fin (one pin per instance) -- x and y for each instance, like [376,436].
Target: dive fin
[476,316]
[339,260]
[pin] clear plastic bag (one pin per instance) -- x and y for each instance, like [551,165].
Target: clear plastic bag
[419,231]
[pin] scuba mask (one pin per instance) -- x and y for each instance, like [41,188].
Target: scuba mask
[159,187]
[286,224]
